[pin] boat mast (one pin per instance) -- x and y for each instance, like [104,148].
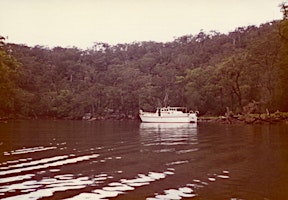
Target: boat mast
[166,98]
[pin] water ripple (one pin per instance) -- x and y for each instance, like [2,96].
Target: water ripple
[28,150]
[116,188]
[59,161]
[189,190]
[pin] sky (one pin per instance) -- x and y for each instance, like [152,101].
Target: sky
[81,23]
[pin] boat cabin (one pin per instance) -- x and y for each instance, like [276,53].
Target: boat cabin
[171,110]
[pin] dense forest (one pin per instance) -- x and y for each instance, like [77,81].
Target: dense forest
[207,72]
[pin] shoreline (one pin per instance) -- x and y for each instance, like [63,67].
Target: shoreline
[260,118]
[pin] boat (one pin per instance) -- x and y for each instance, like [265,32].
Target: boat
[169,115]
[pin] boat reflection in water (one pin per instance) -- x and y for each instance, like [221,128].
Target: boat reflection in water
[168,137]
[168,126]
[171,147]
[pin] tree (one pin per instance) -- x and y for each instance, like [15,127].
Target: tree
[206,72]
[8,81]
[283,61]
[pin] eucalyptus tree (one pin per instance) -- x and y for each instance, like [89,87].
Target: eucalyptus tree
[9,76]
[283,61]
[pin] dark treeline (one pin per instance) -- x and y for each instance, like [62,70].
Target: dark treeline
[207,72]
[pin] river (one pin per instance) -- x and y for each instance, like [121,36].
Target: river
[131,160]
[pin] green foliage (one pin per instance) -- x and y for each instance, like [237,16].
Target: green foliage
[283,65]
[206,72]
[8,82]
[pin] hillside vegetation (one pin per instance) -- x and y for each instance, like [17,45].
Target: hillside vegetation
[207,72]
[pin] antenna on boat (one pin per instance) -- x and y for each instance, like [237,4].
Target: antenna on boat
[166,98]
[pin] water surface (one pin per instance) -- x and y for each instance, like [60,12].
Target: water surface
[132,160]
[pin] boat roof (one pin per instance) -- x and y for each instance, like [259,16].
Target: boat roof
[172,107]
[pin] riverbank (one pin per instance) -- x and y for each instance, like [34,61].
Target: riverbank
[262,118]
[111,117]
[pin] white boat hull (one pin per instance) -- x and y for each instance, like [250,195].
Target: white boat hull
[167,120]
[149,118]
[168,115]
